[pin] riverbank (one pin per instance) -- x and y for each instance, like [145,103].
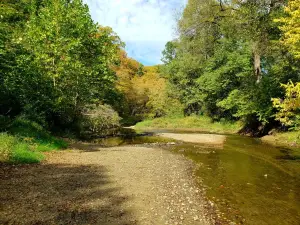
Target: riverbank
[96,185]
[213,140]
[192,123]
[25,142]
[285,139]
[204,124]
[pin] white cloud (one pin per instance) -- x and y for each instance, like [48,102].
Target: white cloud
[144,25]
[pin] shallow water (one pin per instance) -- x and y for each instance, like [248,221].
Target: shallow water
[248,182]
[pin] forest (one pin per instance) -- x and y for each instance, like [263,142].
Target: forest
[238,60]
[63,74]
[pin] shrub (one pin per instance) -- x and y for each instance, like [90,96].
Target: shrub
[99,120]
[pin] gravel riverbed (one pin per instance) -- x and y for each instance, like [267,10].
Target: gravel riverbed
[94,185]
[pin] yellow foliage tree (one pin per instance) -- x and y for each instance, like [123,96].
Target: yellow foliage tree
[291,27]
[289,108]
[145,92]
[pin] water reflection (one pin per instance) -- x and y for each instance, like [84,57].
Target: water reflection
[251,183]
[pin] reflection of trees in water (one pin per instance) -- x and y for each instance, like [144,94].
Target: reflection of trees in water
[236,179]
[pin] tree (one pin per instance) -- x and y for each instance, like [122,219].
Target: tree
[228,62]
[13,15]
[291,27]
[289,108]
[141,71]
[169,53]
[65,63]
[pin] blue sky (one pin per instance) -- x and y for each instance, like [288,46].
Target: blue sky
[144,25]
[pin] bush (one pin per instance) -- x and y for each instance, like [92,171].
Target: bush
[99,120]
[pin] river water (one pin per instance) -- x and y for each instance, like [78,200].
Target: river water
[246,181]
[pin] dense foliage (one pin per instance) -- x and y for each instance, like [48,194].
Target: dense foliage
[231,58]
[289,108]
[290,27]
[55,61]
[144,92]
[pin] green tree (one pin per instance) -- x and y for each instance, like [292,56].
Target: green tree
[13,15]
[169,53]
[229,63]
[66,61]
[141,70]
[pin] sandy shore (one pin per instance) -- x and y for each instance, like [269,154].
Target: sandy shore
[209,139]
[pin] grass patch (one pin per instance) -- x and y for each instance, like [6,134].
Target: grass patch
[26,141]
[285,139]
[14,150]
[35,134]
[22,153]
[199,123]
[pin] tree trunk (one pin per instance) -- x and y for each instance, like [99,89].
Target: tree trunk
[257,66]
[54,72]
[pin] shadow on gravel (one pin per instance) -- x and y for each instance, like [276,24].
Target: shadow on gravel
[93,147]
[60,194]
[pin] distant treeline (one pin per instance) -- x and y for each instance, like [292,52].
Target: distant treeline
[55,62]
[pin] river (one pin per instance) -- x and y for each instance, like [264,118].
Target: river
[246,181]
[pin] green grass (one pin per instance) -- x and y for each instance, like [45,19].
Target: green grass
[285,139]
[199,123]
[14,150]
[25,142]
[35,134]
[22,153]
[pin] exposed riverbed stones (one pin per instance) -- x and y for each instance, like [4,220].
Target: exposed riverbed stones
[116,185]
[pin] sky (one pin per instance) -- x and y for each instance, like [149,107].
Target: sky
[144,25]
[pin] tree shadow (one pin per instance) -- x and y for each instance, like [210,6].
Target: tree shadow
[94,147]
[61,194]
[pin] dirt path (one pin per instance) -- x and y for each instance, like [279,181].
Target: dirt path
[119,185]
